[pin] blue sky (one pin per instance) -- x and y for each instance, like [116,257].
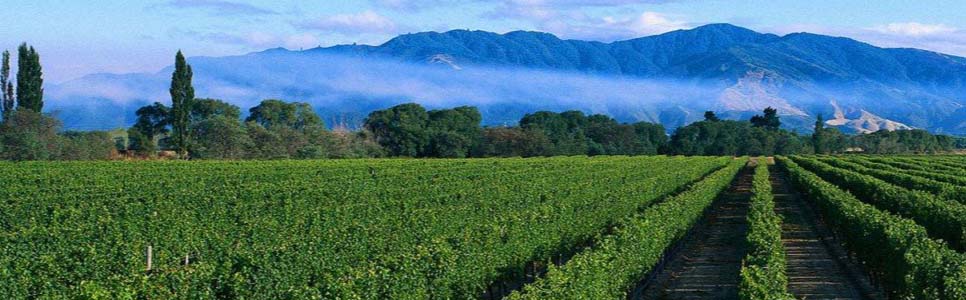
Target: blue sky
[82,37]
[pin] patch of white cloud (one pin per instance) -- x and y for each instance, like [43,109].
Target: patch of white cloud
[914,29]
[363,22]
[221,7]
[566,18]
[415,5]
[254,40]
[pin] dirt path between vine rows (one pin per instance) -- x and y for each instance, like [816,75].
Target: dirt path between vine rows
[707,263]
[817,266]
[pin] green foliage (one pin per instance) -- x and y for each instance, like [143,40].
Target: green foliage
[453,132]
[182,95]
[903,141]
[565,131]
[512,142]
[763,271]
[711,117]
[152,120]
[769,120]
[945,219]
[274,113]
[203,109]
[140,144]
[896,250]
[573,133]
[29,135]
[733,138]
[959,142]
[618,261]
[409,130]
[86,145]
[338,229]
[219,137]
[400,129]
[30,90]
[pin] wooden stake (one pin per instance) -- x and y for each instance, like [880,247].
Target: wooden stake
[185,259]
[149,258]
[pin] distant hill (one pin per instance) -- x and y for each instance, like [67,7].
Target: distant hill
[669,78]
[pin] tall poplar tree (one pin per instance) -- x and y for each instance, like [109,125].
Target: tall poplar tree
[182,94]
[6,87]
[30,82]
[818,137]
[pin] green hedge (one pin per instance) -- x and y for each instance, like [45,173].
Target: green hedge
[897,251]
[763,273]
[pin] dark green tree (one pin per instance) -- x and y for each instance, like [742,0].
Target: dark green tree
[711,117]
[140,144]
[182,95]
[203,109]
[651,138]
[400,129]
[453,132]
[153,120]
[297,130]
[6,87]
[818,135]
[29,135]
[219,137]
[265,144]
[512,142]
[274,113]
[769,120]
[86,145]
[565,130]
[30,82]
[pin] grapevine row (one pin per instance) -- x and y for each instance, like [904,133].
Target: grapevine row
[904,178]
[897,251]
[942,218]
[618,261]
[763,272]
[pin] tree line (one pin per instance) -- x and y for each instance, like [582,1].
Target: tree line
[26,133]
[203,128]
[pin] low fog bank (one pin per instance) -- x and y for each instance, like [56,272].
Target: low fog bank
[345,89]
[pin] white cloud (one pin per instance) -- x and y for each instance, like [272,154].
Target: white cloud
[647,23]
[914,29]
[414,5]
[612,27]
[219,7]
[364,22]
[254,40]
[566,19]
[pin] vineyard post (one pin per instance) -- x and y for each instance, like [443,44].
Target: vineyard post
[149,258]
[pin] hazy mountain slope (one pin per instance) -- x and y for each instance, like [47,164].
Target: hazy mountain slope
[670,78]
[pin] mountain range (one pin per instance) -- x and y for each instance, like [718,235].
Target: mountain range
[671,78]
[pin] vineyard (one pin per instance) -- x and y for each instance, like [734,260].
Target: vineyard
[536,228]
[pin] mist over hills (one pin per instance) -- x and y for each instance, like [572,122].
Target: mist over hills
[670,78]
